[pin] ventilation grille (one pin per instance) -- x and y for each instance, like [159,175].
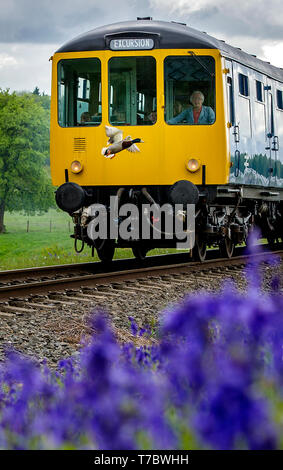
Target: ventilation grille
[79,144]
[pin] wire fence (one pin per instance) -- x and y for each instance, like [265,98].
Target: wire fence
[17,223]
[48,226]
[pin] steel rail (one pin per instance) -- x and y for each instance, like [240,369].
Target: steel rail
[120,275]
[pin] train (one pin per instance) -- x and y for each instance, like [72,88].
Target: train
[205,119]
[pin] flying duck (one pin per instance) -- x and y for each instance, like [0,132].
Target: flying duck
[117,143]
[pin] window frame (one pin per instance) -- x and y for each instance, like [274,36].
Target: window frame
[262,91]
[177,56]
[231,102]
[245,89]
[143,56]
[279,102]
[59,64]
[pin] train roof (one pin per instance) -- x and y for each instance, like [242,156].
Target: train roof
[166,35]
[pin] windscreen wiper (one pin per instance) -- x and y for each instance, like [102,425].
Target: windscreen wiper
[192,54]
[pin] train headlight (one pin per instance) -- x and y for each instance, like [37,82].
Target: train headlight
[193,165]
[76,166]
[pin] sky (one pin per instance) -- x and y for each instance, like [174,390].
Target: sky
[32,30]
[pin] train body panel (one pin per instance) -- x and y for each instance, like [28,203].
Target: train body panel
[256,127]
[166,149]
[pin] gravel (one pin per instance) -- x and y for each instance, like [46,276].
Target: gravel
[55,333]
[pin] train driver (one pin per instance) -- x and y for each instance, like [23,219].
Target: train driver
[195,114]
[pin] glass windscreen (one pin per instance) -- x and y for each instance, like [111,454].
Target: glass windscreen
[189,90]
[132,91]
[79,92]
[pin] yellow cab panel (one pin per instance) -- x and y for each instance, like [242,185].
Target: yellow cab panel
[98,80]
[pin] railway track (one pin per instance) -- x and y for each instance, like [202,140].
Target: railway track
[23,282]
[46,317]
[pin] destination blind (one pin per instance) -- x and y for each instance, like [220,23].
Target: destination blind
[131,44]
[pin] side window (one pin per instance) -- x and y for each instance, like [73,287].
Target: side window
[243,84]
[271,115]
[259,91]
[79,92]
[279,95]
[132,91]
[189,90]
[231,101]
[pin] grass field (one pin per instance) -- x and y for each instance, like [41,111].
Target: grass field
[43,240]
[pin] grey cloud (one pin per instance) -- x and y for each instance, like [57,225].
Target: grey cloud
[247,23]
[41,21]
[55,21]
[254,18]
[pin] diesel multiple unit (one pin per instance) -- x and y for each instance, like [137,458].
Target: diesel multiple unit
[137,77]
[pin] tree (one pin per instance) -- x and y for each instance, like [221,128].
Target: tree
[24,143]
[36,91]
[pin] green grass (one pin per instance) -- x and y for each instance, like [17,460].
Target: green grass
[42,247]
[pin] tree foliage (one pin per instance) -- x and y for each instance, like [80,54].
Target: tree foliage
[24,152]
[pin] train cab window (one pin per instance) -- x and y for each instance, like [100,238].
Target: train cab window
[79,92]
[132,91]
[259,91]
[189,90]
[243,84]
[279,95]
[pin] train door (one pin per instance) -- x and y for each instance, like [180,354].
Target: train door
[243,125]
[272,140]
[279,132]
[132,107]
[258,105]
[233,127]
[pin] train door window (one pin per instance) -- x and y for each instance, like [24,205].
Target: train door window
[279,95]
[259,91]
[79,92]
[132,91]
[230,100]
[243,84]
[271,120]
[189,79]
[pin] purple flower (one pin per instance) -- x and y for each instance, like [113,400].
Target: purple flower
[229,416]
[210,374]
[134,326]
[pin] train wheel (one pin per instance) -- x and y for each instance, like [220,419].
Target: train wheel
[226,247]
[105,250]
[199,250]
[139,252]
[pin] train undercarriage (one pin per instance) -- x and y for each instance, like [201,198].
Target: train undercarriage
[151,217]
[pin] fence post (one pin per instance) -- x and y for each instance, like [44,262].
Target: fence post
[28,225]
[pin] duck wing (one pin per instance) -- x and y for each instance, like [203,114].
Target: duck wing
[133,148]
[114,134]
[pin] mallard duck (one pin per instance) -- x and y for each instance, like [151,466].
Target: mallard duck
[117,143]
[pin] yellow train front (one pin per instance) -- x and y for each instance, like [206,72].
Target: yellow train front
[138,77]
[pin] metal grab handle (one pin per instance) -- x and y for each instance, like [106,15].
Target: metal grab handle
[236,134]
[275,143]
[237,162]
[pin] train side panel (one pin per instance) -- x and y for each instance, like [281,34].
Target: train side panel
[256,127]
